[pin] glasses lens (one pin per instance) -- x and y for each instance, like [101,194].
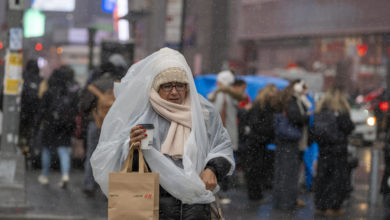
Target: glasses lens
[166,87]
[180,87]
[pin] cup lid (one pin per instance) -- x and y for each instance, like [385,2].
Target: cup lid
[147,126]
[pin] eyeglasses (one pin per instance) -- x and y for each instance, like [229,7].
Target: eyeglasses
[167,87]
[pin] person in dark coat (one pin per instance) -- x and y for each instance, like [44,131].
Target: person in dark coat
[332,115]
[29,101]
[89,107]
[293,105]
[260,121]
[385,184]
[56,117]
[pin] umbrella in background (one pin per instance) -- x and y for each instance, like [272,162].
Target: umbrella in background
[208,83]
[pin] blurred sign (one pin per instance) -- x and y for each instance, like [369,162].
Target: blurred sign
[33,23]
[13,80]
[53,5]
[173,23]
[16,4]
[78,35]
[108,5]
[16,39]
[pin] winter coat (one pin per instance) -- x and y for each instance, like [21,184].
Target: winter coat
[29,102]
[331,188]
[343,128]
[172,208]
[30,99]
[385,186]
[261,124]
[294,114]
[88,102]
[226,103]
[56,98]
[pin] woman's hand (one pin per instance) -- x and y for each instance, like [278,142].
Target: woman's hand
[209,179]
[136,135]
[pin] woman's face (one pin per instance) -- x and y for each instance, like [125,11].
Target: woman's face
[173,92]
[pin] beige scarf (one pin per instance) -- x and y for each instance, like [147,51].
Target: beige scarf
[180,117]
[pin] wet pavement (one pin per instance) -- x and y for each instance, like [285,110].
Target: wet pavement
[356,207]
[49,202]
[52,202]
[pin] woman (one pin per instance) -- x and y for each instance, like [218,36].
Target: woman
[56,115]
[29,102]
[191,149]
[332,125]
[293,104]
[260,121]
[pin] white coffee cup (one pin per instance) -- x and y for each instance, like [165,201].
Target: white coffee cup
[147,143]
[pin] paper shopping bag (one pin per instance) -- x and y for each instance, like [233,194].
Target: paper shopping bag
[133,195]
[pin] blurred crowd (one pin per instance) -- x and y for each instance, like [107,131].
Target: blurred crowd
[61,121]
[272,134]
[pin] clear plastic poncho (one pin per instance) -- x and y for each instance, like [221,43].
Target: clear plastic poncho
[208,138]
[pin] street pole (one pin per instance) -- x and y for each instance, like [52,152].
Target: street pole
[182,26]
[12,166]
[374,176]
[91,46]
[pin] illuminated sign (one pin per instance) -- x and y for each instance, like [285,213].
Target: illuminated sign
[108,5]
[53,5]
[33,23]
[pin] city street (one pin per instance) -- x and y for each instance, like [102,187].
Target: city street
[51,202]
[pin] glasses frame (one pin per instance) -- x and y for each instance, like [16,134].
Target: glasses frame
[174,85]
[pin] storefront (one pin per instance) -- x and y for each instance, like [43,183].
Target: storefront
[347,42]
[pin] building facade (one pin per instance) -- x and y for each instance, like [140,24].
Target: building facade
[346,41]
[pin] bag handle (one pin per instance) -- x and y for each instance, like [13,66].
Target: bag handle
[128,165]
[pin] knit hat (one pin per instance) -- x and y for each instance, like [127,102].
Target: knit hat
[172,74]
[225,77]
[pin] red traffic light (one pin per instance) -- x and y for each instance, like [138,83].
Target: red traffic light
[1,45]
[384,106]
[38,47]
[361,49]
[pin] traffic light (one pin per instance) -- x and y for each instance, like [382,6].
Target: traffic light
[361,49]
[1,45]
[38,47]
[384,106]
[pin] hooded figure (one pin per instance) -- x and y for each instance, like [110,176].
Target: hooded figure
[188,135]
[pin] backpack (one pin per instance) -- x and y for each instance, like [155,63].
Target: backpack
[326,129]
[63,110]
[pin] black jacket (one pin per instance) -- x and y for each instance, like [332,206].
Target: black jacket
[294,114]
[172,208]
[260,121]
[332,130]
[58,134]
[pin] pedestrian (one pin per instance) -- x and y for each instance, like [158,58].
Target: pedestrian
[260,120]
[29,103]
[56,118]
[332,125]
[293,106]
[95,103]
[225,100]
[191,151]
[243,107]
